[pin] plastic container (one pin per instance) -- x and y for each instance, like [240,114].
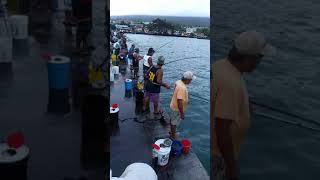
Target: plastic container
[111,77]
[186,144]
[14,162]
[114,113]
[176,148]
[163,153]
[128,84]
[115,70]
[59,72]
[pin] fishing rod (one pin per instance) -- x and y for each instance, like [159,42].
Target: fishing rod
[166,44]
[285,112]
[182,59]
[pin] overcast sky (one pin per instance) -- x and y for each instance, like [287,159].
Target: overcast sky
[160,7]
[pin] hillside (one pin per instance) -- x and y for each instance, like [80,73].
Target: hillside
[191,21]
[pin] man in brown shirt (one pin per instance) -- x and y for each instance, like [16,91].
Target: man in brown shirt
[230,112]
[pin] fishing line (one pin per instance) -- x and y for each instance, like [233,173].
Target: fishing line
[287,122]
[285,112]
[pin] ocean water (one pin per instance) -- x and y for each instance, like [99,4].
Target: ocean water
[196,124]
[288,81]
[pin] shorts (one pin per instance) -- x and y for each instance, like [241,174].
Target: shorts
[218,168]
[136,68]
[175,119]
[153,97]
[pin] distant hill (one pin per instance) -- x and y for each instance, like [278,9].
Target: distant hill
[191,21]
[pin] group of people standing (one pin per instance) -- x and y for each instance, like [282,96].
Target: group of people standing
[153,80]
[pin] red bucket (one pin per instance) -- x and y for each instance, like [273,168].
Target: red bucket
[185,146]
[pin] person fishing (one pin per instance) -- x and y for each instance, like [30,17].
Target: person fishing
[153,86]
[179,101]
[147,60]
[135,62]
[117,48]
[230,108]
[83,16]
[130,56]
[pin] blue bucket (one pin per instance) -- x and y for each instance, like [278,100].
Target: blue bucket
[128,84]
[59,72]
[176,148]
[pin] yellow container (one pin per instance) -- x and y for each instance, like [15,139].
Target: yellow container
[113,58]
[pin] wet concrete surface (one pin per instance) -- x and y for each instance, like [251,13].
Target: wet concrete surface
[134,133]
[55,140]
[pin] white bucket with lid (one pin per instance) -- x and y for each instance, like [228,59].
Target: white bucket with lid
[111,77]
[163,153]
[19,26]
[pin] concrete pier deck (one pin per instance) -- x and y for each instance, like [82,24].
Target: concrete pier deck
[55,141]
[131,140]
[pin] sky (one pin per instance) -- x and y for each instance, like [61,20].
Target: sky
[197,8]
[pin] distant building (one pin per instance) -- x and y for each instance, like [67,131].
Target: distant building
[124,28]
[191,30]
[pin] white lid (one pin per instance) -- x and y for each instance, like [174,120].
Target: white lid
[128,80]
[59,60]
[114,110]
[163,150]
[5,157]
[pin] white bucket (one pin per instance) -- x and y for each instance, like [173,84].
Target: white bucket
[163,153]
[111,77]
[19,26]
[115,70]
[6,49]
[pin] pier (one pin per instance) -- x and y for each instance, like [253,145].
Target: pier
[132,136]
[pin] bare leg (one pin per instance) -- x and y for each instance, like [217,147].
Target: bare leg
[173,131]
[156,108]
[145,103]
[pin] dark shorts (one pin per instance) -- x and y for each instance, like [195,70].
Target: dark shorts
[153,97]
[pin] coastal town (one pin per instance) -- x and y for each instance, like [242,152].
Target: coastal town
[159,27]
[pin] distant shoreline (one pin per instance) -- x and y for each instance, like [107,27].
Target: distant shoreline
[154,34]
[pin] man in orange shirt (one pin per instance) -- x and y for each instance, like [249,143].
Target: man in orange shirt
[230,110]
[179,101]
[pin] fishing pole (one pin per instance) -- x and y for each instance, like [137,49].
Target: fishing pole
[166,44]
[182,59]
[285,112]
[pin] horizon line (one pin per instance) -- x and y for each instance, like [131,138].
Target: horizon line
[160,15]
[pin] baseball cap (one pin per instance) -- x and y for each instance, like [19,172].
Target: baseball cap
[161,60]
[253,43]
[189,75]
[151,50]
